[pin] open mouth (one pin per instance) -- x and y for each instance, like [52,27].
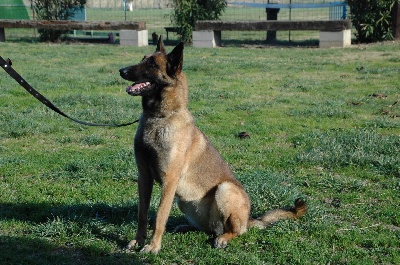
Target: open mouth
[138,88]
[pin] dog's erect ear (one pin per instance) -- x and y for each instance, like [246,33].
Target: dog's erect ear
[175,60]
[160,46]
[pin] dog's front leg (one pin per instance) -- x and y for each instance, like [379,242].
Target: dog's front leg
[145,186]
[169,187]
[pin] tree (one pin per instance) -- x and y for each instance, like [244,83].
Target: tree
[372,19]
[56,10]
[187,12]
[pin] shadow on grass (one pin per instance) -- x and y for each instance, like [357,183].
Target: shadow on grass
[41,212]
[25,250]
[314,43]
[111,214]
[86,40]
[45,239]
[263,44]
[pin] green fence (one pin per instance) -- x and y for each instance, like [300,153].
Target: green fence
[13,9]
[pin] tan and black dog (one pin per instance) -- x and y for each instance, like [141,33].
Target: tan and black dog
[171,150]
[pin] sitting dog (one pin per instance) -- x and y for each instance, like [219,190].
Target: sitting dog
[171,150]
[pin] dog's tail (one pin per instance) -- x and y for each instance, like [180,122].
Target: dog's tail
[269,218]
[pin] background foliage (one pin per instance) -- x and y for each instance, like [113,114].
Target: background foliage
[55,10]
[372,19]
[187,12]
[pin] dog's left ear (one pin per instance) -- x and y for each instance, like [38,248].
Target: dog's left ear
[175,60]
[160,45]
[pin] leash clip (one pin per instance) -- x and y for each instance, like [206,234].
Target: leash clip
[8,62]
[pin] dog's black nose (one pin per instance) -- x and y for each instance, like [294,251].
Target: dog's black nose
[125,72]
[122,72]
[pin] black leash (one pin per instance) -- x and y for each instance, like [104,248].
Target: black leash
[6,65]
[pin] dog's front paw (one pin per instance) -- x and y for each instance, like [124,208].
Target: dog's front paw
[151,248]
[134,244]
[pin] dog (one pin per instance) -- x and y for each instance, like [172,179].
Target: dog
[171,150]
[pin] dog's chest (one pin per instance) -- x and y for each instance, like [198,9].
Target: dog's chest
[154,142]
[156,136]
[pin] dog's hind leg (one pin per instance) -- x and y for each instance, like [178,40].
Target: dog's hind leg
[234,206]
[232,231]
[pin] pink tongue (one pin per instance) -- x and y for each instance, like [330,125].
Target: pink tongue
[133,87]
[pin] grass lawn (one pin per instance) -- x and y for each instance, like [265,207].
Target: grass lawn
[324,125]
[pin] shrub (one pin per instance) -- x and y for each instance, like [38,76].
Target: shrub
[187,12]
[56,10]
[372,19]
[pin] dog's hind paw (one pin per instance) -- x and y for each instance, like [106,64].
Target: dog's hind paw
[220,242]
[223,240]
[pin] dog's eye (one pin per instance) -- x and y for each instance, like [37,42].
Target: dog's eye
[151,62]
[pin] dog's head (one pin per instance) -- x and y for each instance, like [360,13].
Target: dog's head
[155,71]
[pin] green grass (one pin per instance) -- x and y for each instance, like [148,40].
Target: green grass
[318,131]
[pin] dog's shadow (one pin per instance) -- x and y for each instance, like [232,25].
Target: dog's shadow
[83,215]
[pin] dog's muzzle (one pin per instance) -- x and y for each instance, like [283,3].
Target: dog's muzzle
[124,72]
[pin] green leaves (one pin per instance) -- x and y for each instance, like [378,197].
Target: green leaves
[187,12]
[372,19]
[55,10]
